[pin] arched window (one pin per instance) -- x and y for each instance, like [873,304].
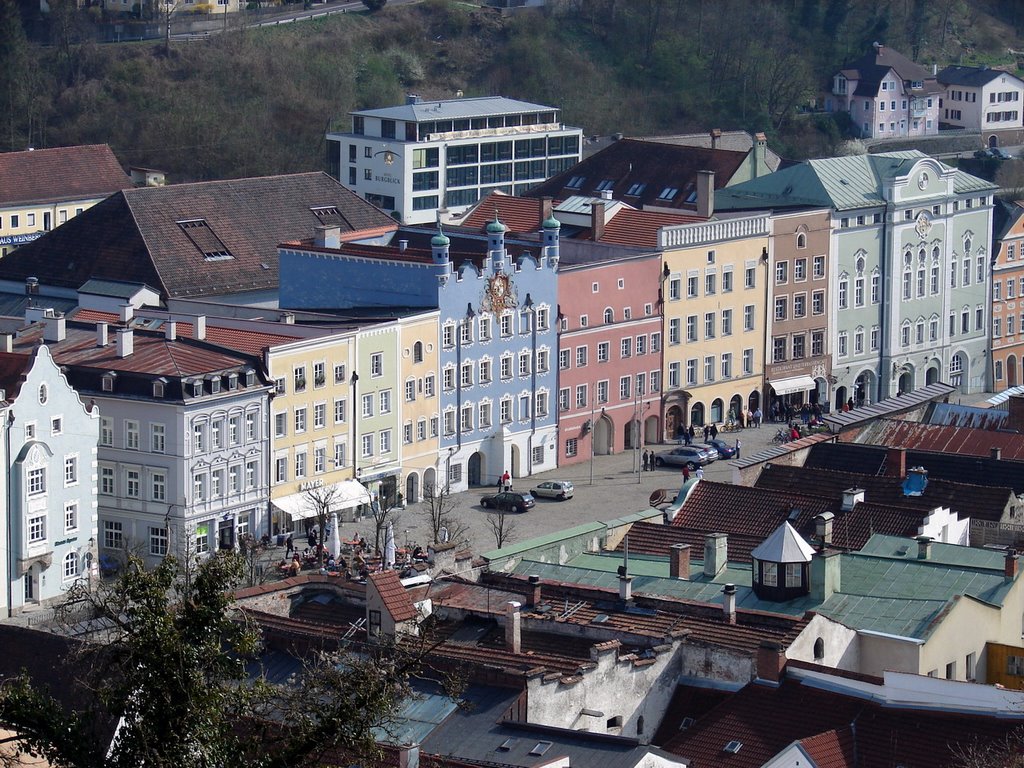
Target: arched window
[70,566]
[609,315]
[801,240]
[417,352]
[967,246]
[819,649]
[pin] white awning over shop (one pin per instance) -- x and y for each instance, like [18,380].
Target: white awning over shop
[792,384]
[351,493]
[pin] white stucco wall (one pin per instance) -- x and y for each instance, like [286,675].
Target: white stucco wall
[841,644]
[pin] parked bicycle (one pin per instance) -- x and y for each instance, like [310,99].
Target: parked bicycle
[731,426]
[782,436]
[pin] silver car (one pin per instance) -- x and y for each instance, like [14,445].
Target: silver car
[554,489]
[691,456]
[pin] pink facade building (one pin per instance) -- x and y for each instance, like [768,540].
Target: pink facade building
[887,95]
[610,355]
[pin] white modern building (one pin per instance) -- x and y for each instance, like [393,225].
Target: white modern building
[426,158]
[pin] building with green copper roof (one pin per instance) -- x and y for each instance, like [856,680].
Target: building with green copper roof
[908,267]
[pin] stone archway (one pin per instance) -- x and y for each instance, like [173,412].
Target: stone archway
[906,383]
[412,488]
[932,374]
[754,400]
[604,432]
[631,434]
[673,422]
[476,471]
[717,410]
[651,427]
[736,408]
[841,398]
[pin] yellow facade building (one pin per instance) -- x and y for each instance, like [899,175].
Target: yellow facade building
[420,408]
[714,314]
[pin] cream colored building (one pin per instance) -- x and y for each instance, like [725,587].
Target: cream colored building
[419,404]
[42,189]
[714,313]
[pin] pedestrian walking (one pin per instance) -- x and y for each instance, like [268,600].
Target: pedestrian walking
[643,462]
[714,431]
[707,431]
[688,436]
[700,473]
[650,461]
[757,418]
[686,475]
[738,446]
[692,433]
[289,547]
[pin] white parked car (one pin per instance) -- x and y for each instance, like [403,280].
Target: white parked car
[554,489]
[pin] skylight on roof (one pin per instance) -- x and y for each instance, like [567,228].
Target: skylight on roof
[605,184]
[636,190]
[576,182]
[506,745]
[733,747]
[541,748]
[203,238]
[327,214]
[668,193]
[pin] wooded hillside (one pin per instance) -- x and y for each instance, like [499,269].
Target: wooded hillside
[251,102]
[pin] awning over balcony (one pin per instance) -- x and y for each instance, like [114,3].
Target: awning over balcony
[350,494]
[792,384]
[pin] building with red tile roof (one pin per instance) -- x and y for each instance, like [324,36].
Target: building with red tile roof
[42,189]
[388,603]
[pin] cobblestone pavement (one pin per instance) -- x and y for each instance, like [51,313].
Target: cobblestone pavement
[615,490]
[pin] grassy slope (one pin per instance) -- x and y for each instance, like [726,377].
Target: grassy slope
[258,102]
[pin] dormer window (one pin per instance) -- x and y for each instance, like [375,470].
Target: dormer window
[232,381]
[214,384]
[108,381]
[250,377]
[159,387]
[197,388]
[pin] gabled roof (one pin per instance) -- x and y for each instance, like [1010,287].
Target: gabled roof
[200,239]
[874,65]
[784,546]
[976,501]
[644,174]
[972,77]
[13,368]
[60,174]
[843,183]
[519,214]
[735,141]
[394,595]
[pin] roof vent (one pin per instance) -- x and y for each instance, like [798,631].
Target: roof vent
[601,618]
[541,748]
[687,722]
[733,747]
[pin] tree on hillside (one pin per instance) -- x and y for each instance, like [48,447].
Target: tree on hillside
[375,5]
[177,670]
[15,71]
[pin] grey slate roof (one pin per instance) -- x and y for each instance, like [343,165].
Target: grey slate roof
[144,235]
[453,109]
[971,77]
[785,545]
[843,183]
[117,289]
[889,406]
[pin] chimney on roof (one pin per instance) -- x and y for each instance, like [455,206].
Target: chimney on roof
[403,246]
[6,342]
[825,574]
[771,661]
[409,754]
[547,208]
[924,547]
[716,553]
[705,194]
[412,98]
[327,236]
[535,590]
[851,498]
[1015,413]
[760,154]
[125,342]
[823,527]
[126,312]
[679,561]
[896,462]
[625,588]
[101,334]
[606,194]
[1011,565]
[995,452]
[598,211]
[54,326]
[716,134]
[513,627]
[170,330]
[729,602]
[287,318]
[199,328]
[31,286]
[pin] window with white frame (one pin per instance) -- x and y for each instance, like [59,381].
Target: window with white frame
[748,317]
[748,362]
[603,351]
[69,569]
[106,431]
[385,441]
[70,470]
[339,455]
[113,534]
[673,375]
[367,405]
[37,481]
[367,441]
[581,395]
[709,368]
[625,387]
[158,541]
[131,435]
[506,410]
[410,390]
[384,400]
[377,364]
[484,415]
[250,426]
[571,447]
[300,420]
[70,516]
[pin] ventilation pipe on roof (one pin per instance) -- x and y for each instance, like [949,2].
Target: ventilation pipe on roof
[760,154]
[1011,565]
[126,313]
[716,134]
[729,602]
[199,328]
[825,574]
[924,547]
[287,318]
[513,627]
[403,246]
[995,453]
[716,553]
[851,498]
[823,527]
[170,330]
[31,286]
[547,208]
[625,588]
[535,588]
[705,194]
[606,194]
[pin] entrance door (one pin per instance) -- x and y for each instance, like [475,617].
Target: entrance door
[603,436]
[30,586]
[226,534]
[651,430]
[673,422]
[412,488]
[840,399]
[475,469]
[631,434]
[906,383]
[516,469]
[47,223]
[1011,371]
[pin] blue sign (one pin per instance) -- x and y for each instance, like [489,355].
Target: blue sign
[18,239]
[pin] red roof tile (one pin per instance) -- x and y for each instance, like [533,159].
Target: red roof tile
[519,214]
[13,367]
[63,173]
[631,227]
[831,749]
[396,600]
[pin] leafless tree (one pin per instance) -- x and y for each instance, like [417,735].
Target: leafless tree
[439,507]
[503,528]
[999,753]
[319,501]
[1010,177]
[383,511]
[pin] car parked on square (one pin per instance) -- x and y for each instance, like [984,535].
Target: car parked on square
[691,456]
[554,489]
[508,501]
